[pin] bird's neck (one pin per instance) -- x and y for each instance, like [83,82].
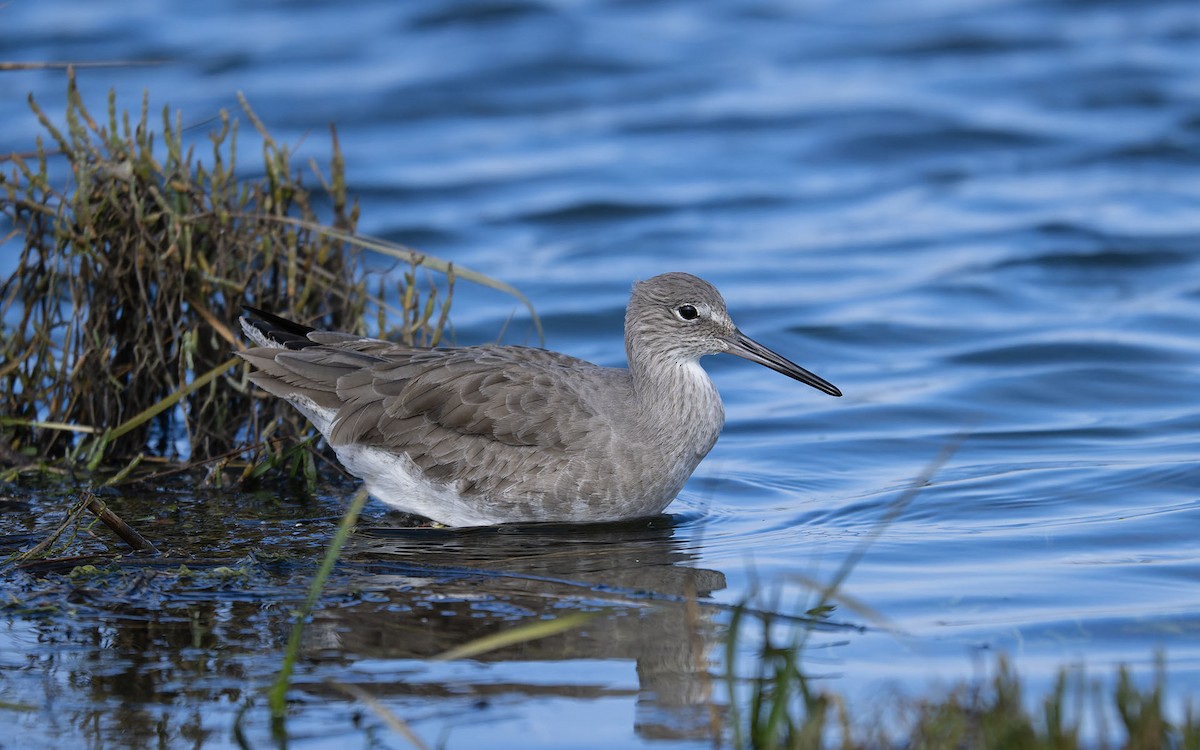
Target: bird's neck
[676,401]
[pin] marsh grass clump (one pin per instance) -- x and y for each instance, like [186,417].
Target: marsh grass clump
[117,325]
[777,706]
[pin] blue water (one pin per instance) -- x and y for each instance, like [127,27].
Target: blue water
[980,219]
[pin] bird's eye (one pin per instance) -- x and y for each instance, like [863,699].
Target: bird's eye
[687,312]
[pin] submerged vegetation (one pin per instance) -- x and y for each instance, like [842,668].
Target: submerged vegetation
[118,326]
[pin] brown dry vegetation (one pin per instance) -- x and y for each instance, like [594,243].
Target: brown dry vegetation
[118,326]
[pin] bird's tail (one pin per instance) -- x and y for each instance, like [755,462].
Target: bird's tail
[270,330]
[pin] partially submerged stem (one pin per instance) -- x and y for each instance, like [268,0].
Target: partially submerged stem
[277,695]
[110,519]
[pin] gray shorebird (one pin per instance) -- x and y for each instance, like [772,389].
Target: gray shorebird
[481,435]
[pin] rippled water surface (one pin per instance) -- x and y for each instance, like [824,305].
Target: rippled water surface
[980,219]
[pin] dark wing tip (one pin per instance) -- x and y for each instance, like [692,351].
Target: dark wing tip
[291,334]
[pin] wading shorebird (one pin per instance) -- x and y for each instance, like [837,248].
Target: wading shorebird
[482,435]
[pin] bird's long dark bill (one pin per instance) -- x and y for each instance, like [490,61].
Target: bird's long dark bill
[747,348]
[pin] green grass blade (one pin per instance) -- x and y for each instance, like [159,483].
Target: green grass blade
[277,696]
[163,404]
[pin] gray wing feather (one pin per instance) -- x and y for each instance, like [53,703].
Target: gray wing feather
[458,413]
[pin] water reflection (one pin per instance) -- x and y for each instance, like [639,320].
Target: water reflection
[134,675]
[143,647]
[425,591]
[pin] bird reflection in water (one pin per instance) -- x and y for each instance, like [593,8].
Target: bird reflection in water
[423,591]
